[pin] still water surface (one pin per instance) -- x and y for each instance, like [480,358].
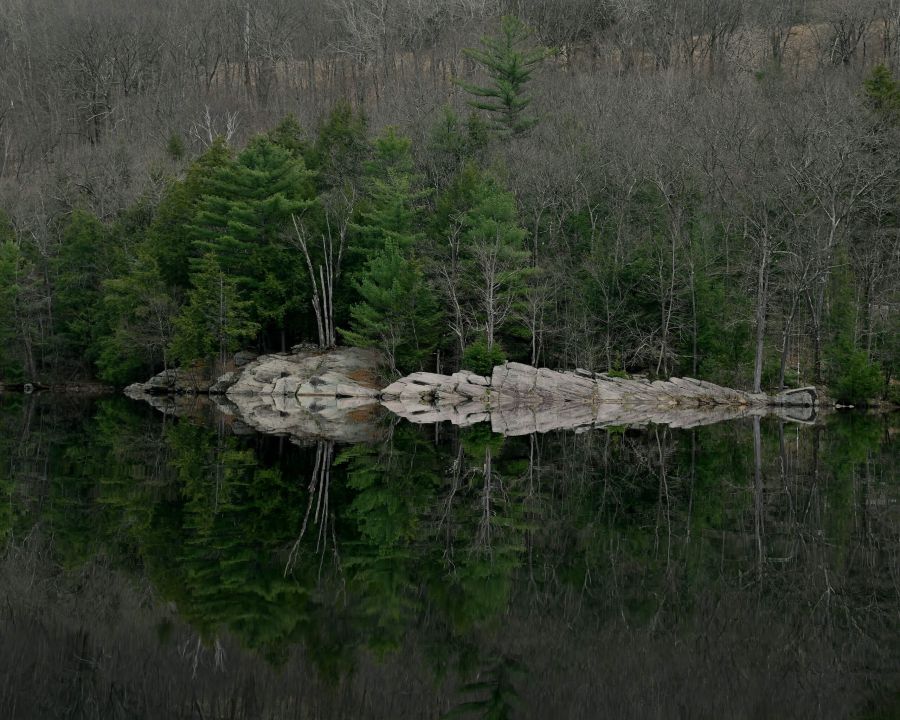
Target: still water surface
[156,567]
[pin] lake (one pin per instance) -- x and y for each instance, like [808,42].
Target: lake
[189,567]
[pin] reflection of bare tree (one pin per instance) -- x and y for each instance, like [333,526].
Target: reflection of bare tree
[483,538]
[758,496]
[194,650]
[319,486]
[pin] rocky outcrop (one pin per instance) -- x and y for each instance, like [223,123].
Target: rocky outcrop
[334,394]
[308,394]
[304,395]
[519,399]
[342,373]
[174,381]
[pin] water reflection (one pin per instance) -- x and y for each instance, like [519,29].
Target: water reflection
[157,566]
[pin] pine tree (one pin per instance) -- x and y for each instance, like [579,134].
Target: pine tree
[215,320]
[11,268]
[883,93]
[852,376]
[288,134]
[140,314]
[340,149]
[168,237]
[452,143]
[509,61]
[398,313]
[392,204]
[495,258]
[88,256]
[244,223]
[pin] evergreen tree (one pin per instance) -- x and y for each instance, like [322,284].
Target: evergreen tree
[452,143]
[88,256]
[392,205]
[495,259]
[883,93]
[509,61]
[244,223]
[215,320]
[288,134]
[853,378]
[169,238]
[397,313]
[340,149]
[140,313]
[11,268]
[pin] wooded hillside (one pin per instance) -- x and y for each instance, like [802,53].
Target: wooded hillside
[696,187]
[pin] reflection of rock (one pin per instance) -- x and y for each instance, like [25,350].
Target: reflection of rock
[307,418]
[520,399]
[307,395]
[310,395]
[179,405]
[334,394]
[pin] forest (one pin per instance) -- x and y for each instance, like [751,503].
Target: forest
[707,188]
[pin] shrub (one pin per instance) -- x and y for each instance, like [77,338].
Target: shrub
[857,380]
[480,359]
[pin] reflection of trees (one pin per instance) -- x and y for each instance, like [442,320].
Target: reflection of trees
[318,491]
[451,542]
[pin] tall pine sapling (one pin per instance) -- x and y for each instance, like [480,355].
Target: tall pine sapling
[397,312]
[495,259]
[215,321]
[509,60]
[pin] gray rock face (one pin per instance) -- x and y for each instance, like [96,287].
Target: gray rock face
[176,381]
[347,372]
[520,399]
[317,394]
[309,394]
[220,386]
[243,357]
[799,397]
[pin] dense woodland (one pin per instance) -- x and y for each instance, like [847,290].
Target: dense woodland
[700,187]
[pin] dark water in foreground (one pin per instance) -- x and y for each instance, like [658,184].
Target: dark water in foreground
[169,568]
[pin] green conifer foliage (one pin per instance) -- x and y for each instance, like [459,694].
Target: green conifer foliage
[495,258]
[883,93]
[168,238]
[288,134]
[340,149]
[509,60]
[244,220]
[398,313]
[852,376]
[88,256]
[392,205]
[11,268]
[140,314]
[215,320]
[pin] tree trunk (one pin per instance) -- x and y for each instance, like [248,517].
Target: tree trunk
[762,292]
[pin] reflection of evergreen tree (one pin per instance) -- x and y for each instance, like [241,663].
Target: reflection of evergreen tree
[394,487]
[494,691]
[437,537]
[235,517]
